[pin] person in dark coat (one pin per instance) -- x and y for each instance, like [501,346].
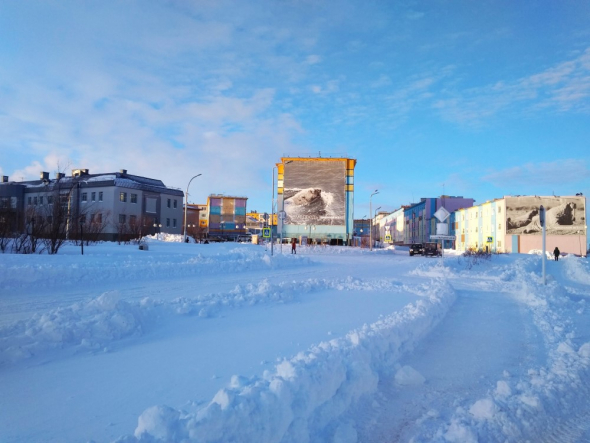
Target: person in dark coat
[293,247]
[556,253]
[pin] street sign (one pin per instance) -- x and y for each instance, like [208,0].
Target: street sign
[387,237]
[266,232]
[442,214]
[442,237]
[282,215]
[490,239]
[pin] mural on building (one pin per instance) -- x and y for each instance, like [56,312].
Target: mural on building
[314,193]
[564,215]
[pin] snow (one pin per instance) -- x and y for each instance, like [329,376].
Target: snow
[224,342]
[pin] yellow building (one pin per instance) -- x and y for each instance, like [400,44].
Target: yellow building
[512,224]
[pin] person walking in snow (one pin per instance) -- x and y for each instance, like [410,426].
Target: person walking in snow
[556,253]
[293,247]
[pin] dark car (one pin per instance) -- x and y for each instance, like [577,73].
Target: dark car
[431,249]
[416,248]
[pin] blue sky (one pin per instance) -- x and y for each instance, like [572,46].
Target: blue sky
[474,98]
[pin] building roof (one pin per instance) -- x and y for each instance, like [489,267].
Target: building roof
[120,179]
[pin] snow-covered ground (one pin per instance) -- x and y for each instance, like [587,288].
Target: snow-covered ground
[224,343]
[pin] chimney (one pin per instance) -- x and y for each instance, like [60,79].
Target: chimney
[44,175]
[59,175]
[123,171]
[79,172]
[4,179]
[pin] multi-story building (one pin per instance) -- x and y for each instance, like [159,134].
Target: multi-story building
[419,219]
[196,220]
[226,215]
[109,205]
[392,226]
[255,221]
[511,224]
[316,196]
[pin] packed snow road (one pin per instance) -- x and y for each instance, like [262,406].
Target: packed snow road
[212,343]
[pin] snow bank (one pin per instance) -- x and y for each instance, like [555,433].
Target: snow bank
[551,400]
[305,396]
[577,269]
[96,323]
[26,272]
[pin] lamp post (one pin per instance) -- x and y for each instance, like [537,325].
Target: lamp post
[309,236]
[272,215]
[371,223]
[157,227]
[82,235]
[272,209]
[374,218]
[186,204]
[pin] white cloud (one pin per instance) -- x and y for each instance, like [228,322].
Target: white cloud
[563,87]
[560,172]
[313,59]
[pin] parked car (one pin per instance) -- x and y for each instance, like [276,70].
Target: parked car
[416,248]
[431,249]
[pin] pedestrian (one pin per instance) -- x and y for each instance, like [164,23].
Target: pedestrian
[556,253]
[293,247]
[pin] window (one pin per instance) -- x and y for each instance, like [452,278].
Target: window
[499,209]
[35,201]
[50,199]
[168,202]
[41,200]
[96,218]
[133,198]
[93,196]
[133,219]
[499,243]
[30,200]
[122,218]
[100,196]
[175,204]
[123,197]
[168,220]
[84,197]
[500,226]
[83,219]
[174,220]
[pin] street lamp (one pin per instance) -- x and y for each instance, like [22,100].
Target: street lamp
[309,236]
[157,228]
[272,209]
[376,217]
[82,235]
[371,223]
[186,204]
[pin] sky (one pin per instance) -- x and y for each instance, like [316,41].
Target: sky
[476,99]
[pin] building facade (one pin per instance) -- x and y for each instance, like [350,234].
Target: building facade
[316,196]
[226,216]
[512,224]
[109,206]
[419,220]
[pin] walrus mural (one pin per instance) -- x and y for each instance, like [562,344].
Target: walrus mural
[563,216]
[314,193]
